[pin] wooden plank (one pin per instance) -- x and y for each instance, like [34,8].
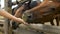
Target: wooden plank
[3,26]
[2,21]
[1,29]
[40,27]
[8,8]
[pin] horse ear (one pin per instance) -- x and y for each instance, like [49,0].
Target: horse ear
[17,2]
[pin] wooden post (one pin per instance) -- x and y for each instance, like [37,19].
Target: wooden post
[8,8]
[0,4]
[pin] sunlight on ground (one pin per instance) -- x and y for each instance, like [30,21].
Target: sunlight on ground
[48,23]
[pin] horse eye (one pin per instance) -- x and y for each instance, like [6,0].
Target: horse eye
[29,16]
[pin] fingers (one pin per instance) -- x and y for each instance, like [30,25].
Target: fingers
[23,22]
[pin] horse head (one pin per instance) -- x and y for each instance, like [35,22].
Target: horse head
[45,12]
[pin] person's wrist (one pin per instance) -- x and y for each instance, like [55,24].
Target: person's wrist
[20,20]
[14,18]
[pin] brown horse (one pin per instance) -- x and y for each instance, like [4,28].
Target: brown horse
[44,12]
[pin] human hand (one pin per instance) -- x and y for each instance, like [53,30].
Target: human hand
[22,21]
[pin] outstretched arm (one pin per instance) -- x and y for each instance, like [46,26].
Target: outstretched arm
[9,16]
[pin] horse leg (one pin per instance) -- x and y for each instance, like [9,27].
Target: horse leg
[57,21]
[51,22]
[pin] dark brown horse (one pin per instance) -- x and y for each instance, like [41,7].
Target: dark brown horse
[44,12]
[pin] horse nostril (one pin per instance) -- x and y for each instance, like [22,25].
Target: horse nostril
[53,9]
